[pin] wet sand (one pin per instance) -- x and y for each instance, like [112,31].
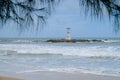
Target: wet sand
[51,75]
[7,78]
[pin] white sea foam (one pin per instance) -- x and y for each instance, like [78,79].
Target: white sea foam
[74,70]
[96,58]
[87,51]
[22,41]
[109,41]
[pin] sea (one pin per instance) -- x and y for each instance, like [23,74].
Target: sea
[29,55]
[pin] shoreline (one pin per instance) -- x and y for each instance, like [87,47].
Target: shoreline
[53,75]
[8,78]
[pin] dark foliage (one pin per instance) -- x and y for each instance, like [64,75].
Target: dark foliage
[27,12]
[100,7]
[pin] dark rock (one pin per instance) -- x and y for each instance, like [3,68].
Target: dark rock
[73,40]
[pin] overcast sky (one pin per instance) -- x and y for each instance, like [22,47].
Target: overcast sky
[67,14]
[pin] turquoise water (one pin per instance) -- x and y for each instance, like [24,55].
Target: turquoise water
[29,55]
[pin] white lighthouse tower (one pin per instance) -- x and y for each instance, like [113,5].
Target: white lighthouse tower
[68,36]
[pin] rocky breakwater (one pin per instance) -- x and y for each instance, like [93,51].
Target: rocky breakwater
[74,40]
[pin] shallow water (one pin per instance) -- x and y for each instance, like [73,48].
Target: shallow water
[29,55]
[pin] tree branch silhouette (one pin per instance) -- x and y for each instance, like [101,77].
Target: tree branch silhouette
[26,12]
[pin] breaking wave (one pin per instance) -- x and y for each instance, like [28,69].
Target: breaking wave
[43,49]
[67,57]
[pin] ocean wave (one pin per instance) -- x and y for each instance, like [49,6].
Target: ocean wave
[110,40]
[75,70]
[9,53]
[21,40]
[84,51]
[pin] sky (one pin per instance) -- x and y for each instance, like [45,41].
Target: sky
[67,14]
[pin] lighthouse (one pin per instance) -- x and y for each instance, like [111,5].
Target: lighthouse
[68,36]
